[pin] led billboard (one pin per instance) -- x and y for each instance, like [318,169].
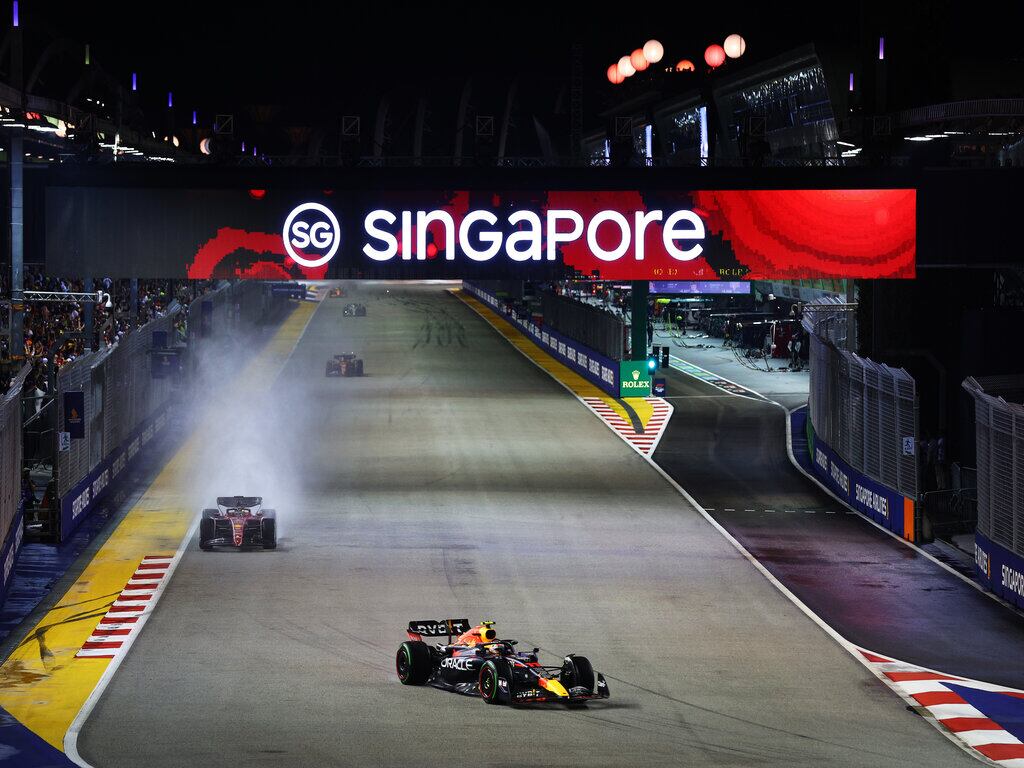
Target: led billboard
[701,235]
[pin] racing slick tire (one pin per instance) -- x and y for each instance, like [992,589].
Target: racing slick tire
[268,529]
[491,673]
[412,663]
[207,530]
[578,672]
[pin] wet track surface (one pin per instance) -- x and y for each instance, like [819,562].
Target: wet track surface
[729,453]
[456,479]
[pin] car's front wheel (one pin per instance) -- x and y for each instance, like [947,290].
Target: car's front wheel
[577,672]
[495,682]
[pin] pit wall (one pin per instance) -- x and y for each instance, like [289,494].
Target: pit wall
[601,371]
[889,508]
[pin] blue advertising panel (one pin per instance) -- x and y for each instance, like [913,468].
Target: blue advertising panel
[74,414]
[999,569]
[600,370]
[887,507]
[739,288]
[9,552]
[83,499]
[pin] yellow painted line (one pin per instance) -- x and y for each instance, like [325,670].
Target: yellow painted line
[579,385]
[42,684]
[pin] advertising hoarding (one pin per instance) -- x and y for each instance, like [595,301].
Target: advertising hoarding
[617,234]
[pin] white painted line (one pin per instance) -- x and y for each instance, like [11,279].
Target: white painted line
[796,601]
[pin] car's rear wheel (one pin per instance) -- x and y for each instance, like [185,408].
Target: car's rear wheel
[492,674]
[412,663]
[207,532]
[578,672]
[268,531]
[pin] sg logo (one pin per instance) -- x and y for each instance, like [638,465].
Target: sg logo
[311,227]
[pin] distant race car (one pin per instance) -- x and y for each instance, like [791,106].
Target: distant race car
[336,293]
[345,364]
[476,663]
[238,521]
[355,310]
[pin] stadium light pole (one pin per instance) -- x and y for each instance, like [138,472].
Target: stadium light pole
[17,189]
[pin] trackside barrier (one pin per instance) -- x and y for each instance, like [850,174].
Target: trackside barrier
[999,538]
[862,423]
[887,507]
[120,399]
[11,508]
[83,498]
[127,396]
[593,366]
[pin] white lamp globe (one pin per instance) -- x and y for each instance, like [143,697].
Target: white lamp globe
[653,51]
[734,46]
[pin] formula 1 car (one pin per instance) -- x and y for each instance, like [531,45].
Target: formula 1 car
[354,310]
[238,521]
[336,293]
[345,364]
[477,663]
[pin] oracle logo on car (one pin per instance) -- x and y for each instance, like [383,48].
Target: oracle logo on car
[481,235]
[312,234]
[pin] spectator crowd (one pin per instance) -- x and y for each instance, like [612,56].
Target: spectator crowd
[55,332]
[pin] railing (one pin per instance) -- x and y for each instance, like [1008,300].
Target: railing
[10,459]
[956,110]
[999,434]
[866,411]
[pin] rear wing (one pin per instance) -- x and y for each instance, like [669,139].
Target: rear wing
[430,628]
[239,501]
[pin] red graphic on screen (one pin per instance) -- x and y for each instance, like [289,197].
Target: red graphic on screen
[224,257]
[800,234]
[756,234]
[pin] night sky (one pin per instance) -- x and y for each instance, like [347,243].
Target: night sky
[221,57]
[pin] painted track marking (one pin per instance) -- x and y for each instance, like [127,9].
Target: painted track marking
[853,650]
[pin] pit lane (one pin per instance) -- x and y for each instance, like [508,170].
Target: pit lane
[456,479]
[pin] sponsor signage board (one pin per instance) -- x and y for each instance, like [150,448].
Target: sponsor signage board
[885,506]
[634,380]
[593,366]
[700,287]
[83,499]
[615,234]
[999,569]
[74,414]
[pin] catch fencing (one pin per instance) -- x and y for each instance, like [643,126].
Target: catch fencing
[10,458]
[864,411]
[999,434]
[590,325]
[120,393]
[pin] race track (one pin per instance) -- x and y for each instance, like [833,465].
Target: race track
[456,479]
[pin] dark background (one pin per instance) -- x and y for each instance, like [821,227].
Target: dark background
[292,65]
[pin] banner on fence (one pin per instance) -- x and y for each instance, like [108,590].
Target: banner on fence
[596,368]
[885,506]
[83,499]
[74,414]
[999,569]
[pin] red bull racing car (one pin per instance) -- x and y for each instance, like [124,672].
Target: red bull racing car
[238,521]
[476,663]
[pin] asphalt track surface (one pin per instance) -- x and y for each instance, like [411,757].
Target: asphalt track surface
[457,479]
[729,453]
